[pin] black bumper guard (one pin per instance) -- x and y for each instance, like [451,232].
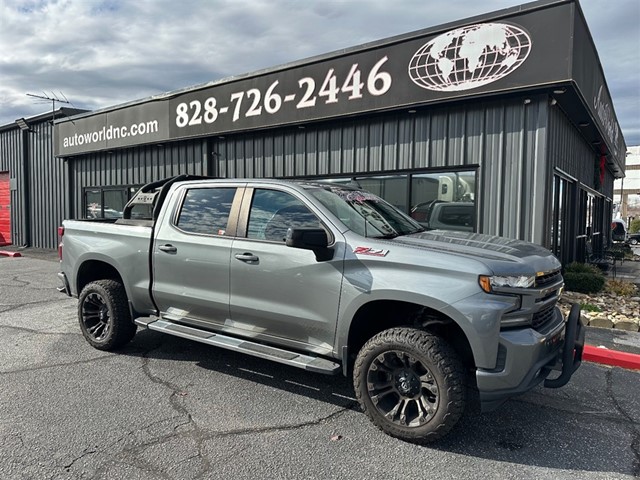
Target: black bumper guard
[571,351]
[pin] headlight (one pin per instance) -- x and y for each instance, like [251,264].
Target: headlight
[489,283]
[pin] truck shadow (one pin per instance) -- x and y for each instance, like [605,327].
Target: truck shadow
[545,428]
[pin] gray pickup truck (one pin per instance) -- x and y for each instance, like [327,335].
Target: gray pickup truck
[330,279]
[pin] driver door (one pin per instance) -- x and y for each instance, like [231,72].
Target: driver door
[277,293]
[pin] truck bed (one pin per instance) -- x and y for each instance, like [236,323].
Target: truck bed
[123,246]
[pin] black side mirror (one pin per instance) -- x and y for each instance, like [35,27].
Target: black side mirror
[307,238]
[315,239]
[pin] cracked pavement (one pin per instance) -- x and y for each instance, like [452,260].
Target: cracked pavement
[167,408]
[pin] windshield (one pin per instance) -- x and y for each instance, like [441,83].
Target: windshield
[365,213]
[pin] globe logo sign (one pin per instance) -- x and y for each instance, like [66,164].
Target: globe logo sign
[469,57]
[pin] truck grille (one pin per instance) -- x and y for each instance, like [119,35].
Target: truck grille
[548,279]
[542,317]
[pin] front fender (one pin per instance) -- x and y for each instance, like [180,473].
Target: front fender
[478,316]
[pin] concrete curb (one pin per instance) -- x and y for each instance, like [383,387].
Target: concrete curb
[611,357]
[6,253]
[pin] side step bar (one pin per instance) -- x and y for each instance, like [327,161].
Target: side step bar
[306,362]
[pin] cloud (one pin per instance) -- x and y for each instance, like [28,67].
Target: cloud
[103,53]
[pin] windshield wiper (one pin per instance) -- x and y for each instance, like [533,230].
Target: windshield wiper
[387,235]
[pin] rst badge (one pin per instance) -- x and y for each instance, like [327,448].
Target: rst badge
[376,252]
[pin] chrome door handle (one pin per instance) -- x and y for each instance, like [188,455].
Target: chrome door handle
[247,257]
[168,248]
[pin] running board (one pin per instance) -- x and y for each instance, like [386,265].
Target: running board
[306,362]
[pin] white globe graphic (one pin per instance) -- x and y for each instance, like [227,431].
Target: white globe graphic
[469,57]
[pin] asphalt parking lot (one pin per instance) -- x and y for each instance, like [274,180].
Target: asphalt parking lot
[166,408]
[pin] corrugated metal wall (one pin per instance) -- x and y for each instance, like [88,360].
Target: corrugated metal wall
[47,188]
[39,188]
[135,166]
[11,160]
[569,151]
[505,137]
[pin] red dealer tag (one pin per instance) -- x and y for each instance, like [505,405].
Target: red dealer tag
[376,252]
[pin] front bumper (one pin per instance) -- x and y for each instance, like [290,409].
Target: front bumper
[527,357]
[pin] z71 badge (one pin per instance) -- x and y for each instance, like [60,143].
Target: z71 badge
[376,252]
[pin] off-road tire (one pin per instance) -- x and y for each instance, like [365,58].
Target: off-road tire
[396,371]
[104,315]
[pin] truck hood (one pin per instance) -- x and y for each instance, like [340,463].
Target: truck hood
[501,255]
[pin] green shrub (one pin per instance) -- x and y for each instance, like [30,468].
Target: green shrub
[589,307]
[577,267]
[583,278]
[634,226]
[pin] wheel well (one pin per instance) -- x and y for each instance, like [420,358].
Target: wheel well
[380,315]
[93,270]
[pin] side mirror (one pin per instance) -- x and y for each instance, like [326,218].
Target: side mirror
[315,239]
[307,238]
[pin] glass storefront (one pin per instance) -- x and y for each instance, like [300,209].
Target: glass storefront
[444,200]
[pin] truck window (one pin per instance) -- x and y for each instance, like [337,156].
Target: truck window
[274,212]
[206,210]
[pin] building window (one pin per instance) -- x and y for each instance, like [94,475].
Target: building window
[438,200]
[393,188]
[444,200]
[563,216]
[107,202]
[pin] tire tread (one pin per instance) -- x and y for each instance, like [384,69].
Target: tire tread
[444,359]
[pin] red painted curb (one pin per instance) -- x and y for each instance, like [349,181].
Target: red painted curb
[611,357]
[10,254]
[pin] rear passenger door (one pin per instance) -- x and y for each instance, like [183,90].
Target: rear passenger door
[281,294]
[191,254]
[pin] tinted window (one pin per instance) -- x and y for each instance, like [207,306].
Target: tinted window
[206,210]
[93,202]
[457,215]
[273,213]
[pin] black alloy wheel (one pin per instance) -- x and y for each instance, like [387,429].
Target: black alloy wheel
[402,388]
[104,316]
[96,317]
[410,383]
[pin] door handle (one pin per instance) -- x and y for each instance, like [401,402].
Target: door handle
[168,248]
[247,257]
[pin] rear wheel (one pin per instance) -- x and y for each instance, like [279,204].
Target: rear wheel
[633,241]
[410,383]
[104,315]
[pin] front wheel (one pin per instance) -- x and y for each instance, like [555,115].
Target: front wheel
[104,315]
[410,383]
[633,241]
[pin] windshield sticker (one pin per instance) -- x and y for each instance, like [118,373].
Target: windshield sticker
[359,196]
[376,252]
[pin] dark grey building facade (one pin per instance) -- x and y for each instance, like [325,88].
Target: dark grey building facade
[506,118]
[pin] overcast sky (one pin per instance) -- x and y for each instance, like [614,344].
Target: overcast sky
[103,53]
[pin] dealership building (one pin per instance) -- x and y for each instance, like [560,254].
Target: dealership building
[506,119]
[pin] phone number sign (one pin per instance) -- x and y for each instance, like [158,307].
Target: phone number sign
[324,90]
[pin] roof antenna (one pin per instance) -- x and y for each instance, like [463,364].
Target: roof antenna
[53,98]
